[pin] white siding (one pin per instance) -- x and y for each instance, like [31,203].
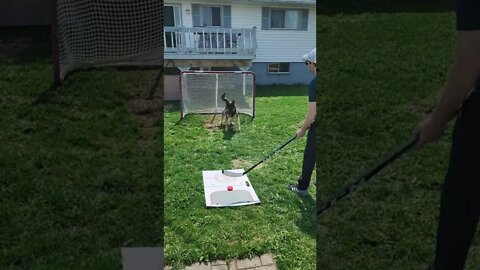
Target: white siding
[276,45]
[272,45]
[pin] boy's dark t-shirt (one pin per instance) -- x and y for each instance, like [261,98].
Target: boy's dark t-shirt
[468,19]
[312,90]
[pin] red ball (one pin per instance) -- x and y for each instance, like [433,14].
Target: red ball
[229,188]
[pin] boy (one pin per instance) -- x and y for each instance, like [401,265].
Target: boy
[309,155]
[460,199]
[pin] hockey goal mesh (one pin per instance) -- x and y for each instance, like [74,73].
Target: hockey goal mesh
[202,91]
[108,32]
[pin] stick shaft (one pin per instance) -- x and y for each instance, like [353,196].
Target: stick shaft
[273,153]
[368,174]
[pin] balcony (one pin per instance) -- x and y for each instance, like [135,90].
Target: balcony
[209,43]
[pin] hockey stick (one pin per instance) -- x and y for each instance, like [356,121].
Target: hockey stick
[368,174]
[236,174]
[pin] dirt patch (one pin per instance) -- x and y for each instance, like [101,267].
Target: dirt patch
[211,127]
[145,102]
[212,123]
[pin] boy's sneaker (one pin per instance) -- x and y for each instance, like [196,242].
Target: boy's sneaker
[301,192]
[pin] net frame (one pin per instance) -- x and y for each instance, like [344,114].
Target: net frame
[111,32]
[183,73]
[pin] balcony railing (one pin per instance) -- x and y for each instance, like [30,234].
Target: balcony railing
[209,40]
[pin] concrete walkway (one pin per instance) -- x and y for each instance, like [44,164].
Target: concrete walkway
[264,262]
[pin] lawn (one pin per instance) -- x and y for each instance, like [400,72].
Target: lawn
[283,224]
[80,166]
[379,77]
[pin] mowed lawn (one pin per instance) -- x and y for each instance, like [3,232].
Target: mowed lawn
[379,77]
[282,224]
[80,166]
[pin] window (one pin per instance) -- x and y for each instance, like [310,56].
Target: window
[278,68]
[211,16]
[171,18]
[284,19]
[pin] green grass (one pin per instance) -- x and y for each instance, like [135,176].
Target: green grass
[379,74]
[81,166]
[283,224]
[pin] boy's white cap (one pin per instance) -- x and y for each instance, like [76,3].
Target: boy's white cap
[311,56]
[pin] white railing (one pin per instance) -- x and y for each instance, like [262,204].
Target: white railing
[213,40]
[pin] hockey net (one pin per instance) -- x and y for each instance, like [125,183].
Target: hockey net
[92,33]
[201,91]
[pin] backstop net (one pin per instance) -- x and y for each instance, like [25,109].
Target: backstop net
[201,91]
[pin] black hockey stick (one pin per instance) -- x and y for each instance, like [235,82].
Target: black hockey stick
[235,174]
[368,174]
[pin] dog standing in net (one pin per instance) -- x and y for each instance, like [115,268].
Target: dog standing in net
[230,113]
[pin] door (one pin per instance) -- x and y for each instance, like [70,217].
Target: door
[171,18]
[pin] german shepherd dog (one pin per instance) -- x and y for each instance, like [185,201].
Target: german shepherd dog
[230,112]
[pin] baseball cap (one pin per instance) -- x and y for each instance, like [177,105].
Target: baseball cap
[311,56]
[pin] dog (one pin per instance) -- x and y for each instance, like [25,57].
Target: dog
[230,113]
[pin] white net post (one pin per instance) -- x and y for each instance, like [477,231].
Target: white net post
[243,86]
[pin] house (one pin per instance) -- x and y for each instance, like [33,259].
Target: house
[267,37]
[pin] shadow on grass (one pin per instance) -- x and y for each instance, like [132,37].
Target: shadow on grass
[332,7]
[228,134]
[232,128]
[46,96]
[307,222]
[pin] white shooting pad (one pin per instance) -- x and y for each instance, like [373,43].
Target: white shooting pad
[216,185]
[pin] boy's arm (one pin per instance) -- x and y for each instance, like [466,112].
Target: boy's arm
[463,73]
[309,118]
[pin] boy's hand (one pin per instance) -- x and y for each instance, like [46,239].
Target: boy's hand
[301,132]
[430,130]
